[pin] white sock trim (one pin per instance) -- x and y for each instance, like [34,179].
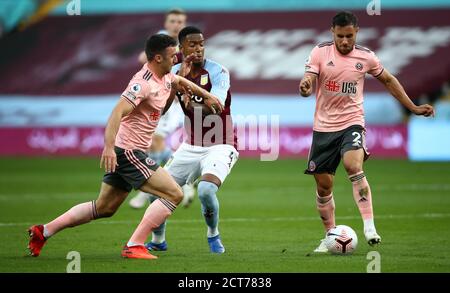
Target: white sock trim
[46,233]
[369,225]
[131,244]
[158,239]
[212,232]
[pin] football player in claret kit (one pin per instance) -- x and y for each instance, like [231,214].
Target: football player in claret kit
[210,147]
[337,68]
[128,135]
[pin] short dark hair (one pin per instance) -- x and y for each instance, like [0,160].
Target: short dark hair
[156,44]
[344,18]
[176,11]
[189,30]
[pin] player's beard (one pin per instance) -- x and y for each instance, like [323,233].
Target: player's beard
[345,50]
[198,64]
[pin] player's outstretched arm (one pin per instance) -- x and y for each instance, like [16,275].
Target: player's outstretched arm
[188,87]
[109,160]
[306,84]
[396,89]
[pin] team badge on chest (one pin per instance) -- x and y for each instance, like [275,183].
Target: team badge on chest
[204,79]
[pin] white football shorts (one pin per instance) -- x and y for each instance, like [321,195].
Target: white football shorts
[190,162]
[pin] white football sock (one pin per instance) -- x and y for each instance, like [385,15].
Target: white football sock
[369,225]
[46,233]
[158,238]
[212,232]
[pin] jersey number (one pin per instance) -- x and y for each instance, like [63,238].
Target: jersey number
[357,139]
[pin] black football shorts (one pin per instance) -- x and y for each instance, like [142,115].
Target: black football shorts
[134,168]
[327,148]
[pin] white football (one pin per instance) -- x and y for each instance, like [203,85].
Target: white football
[341,240]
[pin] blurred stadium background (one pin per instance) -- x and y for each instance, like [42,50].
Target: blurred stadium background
[62,74]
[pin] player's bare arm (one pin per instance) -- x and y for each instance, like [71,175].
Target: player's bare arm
[186,86]
[109,159]
[396,89]
[306,84]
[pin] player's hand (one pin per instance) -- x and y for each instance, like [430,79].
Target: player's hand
[424,110]
[187,94]
[306,86]
[186,65]
[108,160]
[214,104]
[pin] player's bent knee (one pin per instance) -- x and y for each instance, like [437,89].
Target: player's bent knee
[324,187]
[175,195]
[106,213]
[104,210]
[324,191]
[352,169]
[152,197]
[178,196]
[206,189]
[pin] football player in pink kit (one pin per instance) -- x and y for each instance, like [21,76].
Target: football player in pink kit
[159,151]
[128,135]
[338,69]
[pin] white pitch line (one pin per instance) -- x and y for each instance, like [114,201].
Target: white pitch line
[294,189]
[281,219]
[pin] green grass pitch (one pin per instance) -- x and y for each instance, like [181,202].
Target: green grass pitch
[268,220]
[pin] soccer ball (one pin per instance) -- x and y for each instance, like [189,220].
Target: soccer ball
[341,240]
[188,194]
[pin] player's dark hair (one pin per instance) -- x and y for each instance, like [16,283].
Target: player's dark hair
[176,11]
[189,30]
[156,44]
[344,18]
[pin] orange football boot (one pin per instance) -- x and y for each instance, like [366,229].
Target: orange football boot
[139,251]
